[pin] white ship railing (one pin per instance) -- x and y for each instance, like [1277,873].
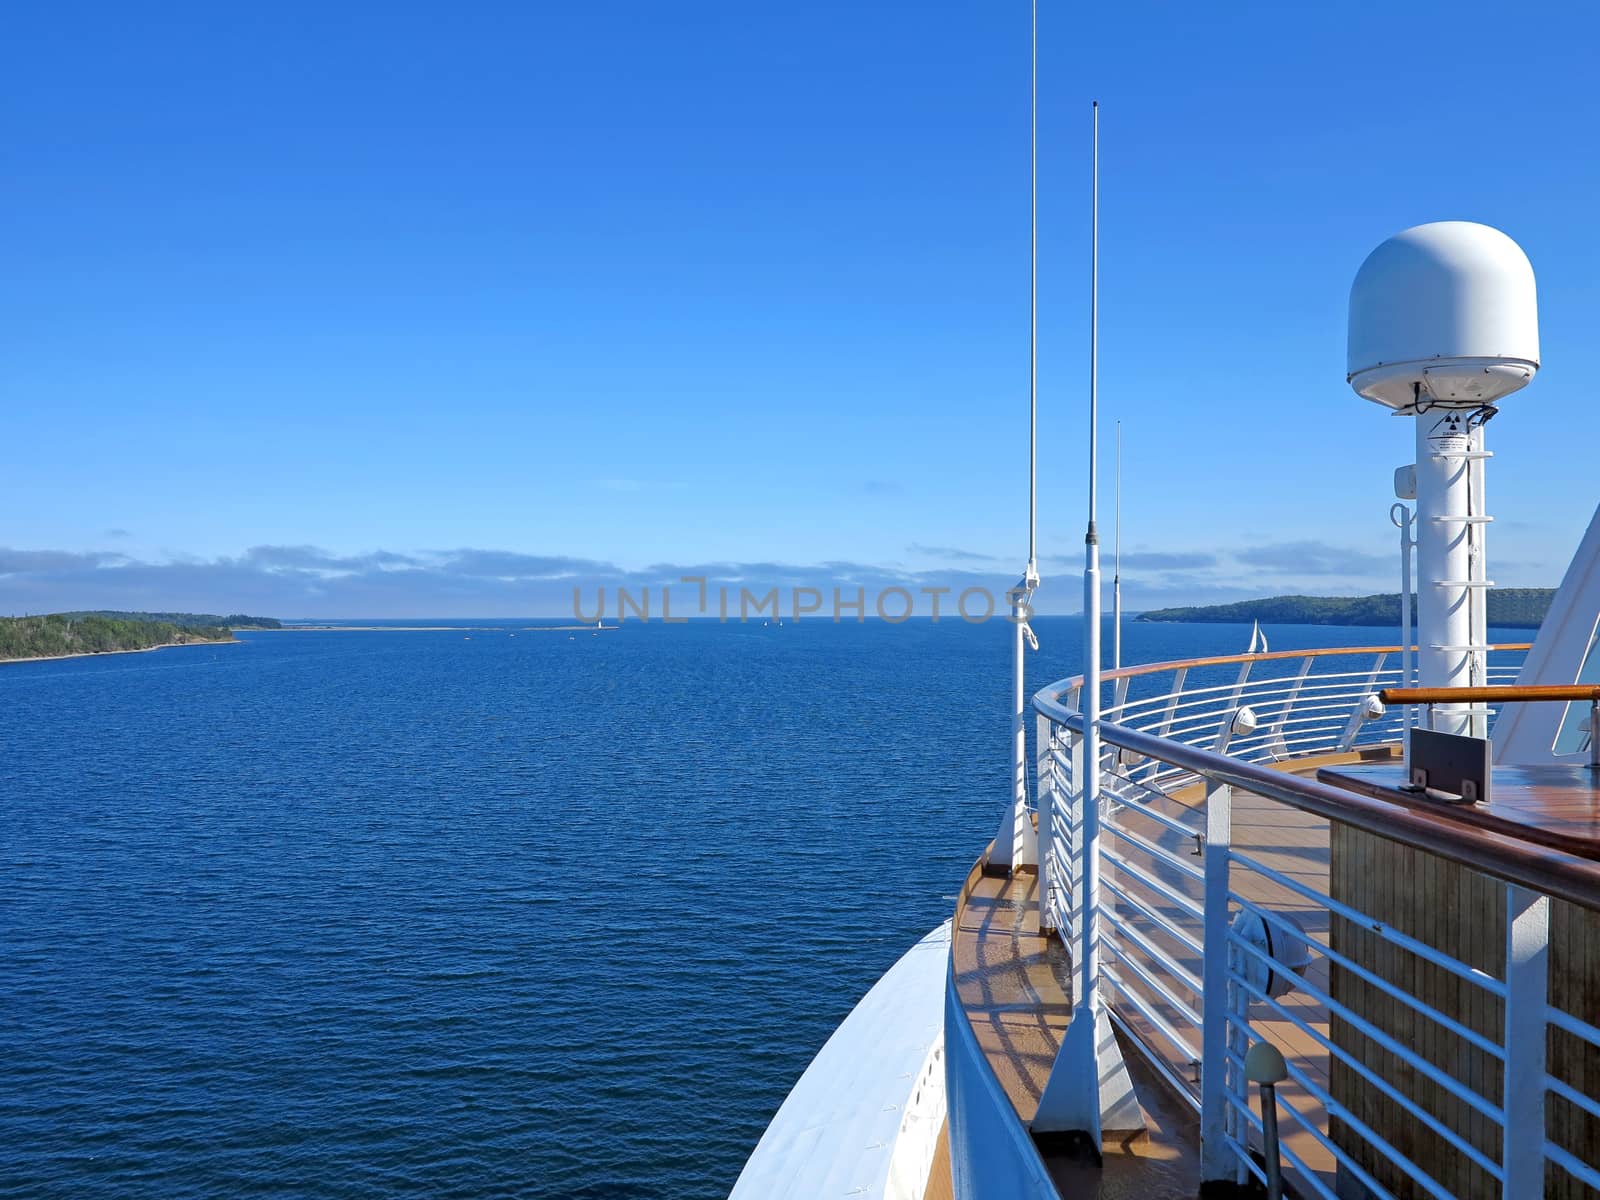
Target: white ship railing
[1193,994]
[1264,708]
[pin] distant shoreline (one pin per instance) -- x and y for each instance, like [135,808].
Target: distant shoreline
[1506,608]
[438,629]
[232,641]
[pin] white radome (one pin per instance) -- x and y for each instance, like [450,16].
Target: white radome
[1444,313]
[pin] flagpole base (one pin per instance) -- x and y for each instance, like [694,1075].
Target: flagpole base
[1089,1091]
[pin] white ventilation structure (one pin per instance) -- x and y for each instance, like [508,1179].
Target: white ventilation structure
[1443,325]
[1563,652]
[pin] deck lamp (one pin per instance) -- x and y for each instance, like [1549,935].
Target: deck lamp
[1264,1067]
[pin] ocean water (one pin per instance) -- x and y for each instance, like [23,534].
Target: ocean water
[462,913]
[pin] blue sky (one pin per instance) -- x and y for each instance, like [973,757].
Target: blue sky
[323,307]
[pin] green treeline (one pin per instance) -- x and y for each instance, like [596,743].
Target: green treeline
[1517,608]
[187,620]
[68,633]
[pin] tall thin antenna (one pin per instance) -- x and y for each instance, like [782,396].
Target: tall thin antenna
[1016,828]
[1116,568]
[1086,1068]
[1094,320]
[1087,953]
[1033,304]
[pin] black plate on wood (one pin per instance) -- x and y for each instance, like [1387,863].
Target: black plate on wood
[1450,766]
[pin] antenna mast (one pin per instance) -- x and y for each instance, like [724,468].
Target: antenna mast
[1087,952]
[1031,578]
[1016,829]
[1116,568]
[1088,1085]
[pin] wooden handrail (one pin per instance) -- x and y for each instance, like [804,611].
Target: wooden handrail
[1541,868]
[1224,660]
[1508,692]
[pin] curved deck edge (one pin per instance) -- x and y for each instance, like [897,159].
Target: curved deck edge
[991,1154]
[864,1118]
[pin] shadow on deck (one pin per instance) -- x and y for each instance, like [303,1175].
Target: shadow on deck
[1014,984]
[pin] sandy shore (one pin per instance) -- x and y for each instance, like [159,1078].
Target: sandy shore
[232,641]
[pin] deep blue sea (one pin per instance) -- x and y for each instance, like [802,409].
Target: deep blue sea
[462,913]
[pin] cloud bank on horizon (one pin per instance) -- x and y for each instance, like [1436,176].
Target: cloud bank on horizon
[308,581]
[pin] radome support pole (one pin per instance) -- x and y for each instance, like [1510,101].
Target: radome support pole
[1402,518]
[1449,648]
[1478,597]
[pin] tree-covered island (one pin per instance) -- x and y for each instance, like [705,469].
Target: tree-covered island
[1515,608]
[233,621]
[61,634]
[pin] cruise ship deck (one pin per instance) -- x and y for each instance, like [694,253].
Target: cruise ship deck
[1015,981]
[1014,986]
[1320,922]
[1263,880]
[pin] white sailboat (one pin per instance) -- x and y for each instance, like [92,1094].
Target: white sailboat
[1258,640]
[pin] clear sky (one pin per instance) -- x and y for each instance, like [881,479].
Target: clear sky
[366,309]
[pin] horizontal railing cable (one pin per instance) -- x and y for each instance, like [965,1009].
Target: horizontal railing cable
[1176,740]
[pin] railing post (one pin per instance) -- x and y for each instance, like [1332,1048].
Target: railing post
[1216,1001]
[1074,880]
[1044,769]
[1089,1092]
[1233,698]
[1527,989]
[1238,684]
[1235,1086]
[1178,680]
[1352,727]
[1278,748]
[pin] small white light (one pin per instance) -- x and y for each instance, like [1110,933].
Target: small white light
[1263,1063]
[1372,708]
[1244,721]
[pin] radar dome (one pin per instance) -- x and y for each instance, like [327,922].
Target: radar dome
[1444,314]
